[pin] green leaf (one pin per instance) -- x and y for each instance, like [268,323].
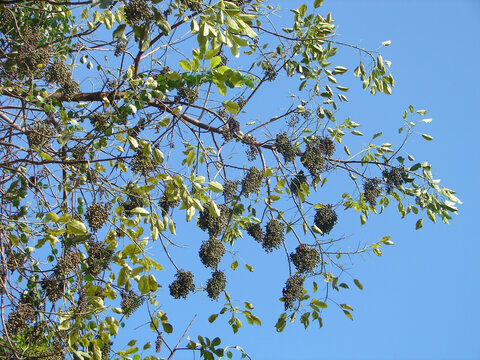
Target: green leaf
[386,43]
[139,211]
[427,137]
[215,186]
[158,156]
[318,3]
[249,267]
[357,132]
[358,283]
[77,227]
[143,286]
[346,307]
[419,224]
[185,65]
[212,318]
[234,265]
[348,314]
[231,106]
[215,61]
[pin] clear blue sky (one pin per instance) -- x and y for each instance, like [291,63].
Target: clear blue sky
[420,299]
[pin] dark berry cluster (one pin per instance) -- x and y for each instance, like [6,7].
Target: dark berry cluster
[273,235]
[251,142]
[216,284]
[137,11]
[252,181]
[313,158]
[193,5]
[92,175]
[142,164]
[100,121]
[79,151]
[98,258]
[325,218]
[31,58]
[297,181]
[167,203]
[131,301]
[15,259]
[60,74]
[53,287]
[371,190]
[255,230]
[68,262]
[182,285]
[285,147]
[211,252]
[327,146]
[293,290]
[120,47]
[230,189]
[393,178]
[269,72]
[19,318]
[39,134]
[97,215]
[231,129]
[214,224]
[241,101]
[305,258]
[187,94]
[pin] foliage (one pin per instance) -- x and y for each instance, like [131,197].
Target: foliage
[114,133]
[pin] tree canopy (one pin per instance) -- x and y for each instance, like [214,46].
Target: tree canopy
[123,121]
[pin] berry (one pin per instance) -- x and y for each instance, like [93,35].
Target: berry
[131,301]
[54,288]
[137,11]
[211,252]
[98,258]
[284,146]
[120,47]
[39,134]
[230,189]
[313,158]
[252,181]
[97,215]
[255,230]
[273,235]
[216,284]
[141,164]
[166,204]
[100,122]
[269,72]
[252,151]
[297,181]
[293,290]
[214,225]
[183,284]
[79,151]
[305,258]
[325,218]
[393,178]
[132,202]
[371,190]
[327,146]
[231,129]
[68,262]
[187,95]
[193,5]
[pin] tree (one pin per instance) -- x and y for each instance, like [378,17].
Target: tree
[122,121]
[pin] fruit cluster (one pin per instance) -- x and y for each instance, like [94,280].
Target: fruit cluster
[137,11]
[255,230]
[269,72]
[293,290]
[53,287]
[132,202]
[313,158]
[273,238]
[305,258]
[327,146]
[251,142]
[211,223]
[285,147]
[100,121]
[97,215]
[68,262]
[230,189]
[60,74]
[325,218]
[187,94]
[141,164]
[297,181]
[216,284]
[19,318]
[371,190]
[211,252]
[98,258]
[393,178]
[166,204]
[131,301]
[252,181]
[182,285]
[231,129]
[39,134]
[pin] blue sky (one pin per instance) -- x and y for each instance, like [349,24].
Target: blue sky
[419,299]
